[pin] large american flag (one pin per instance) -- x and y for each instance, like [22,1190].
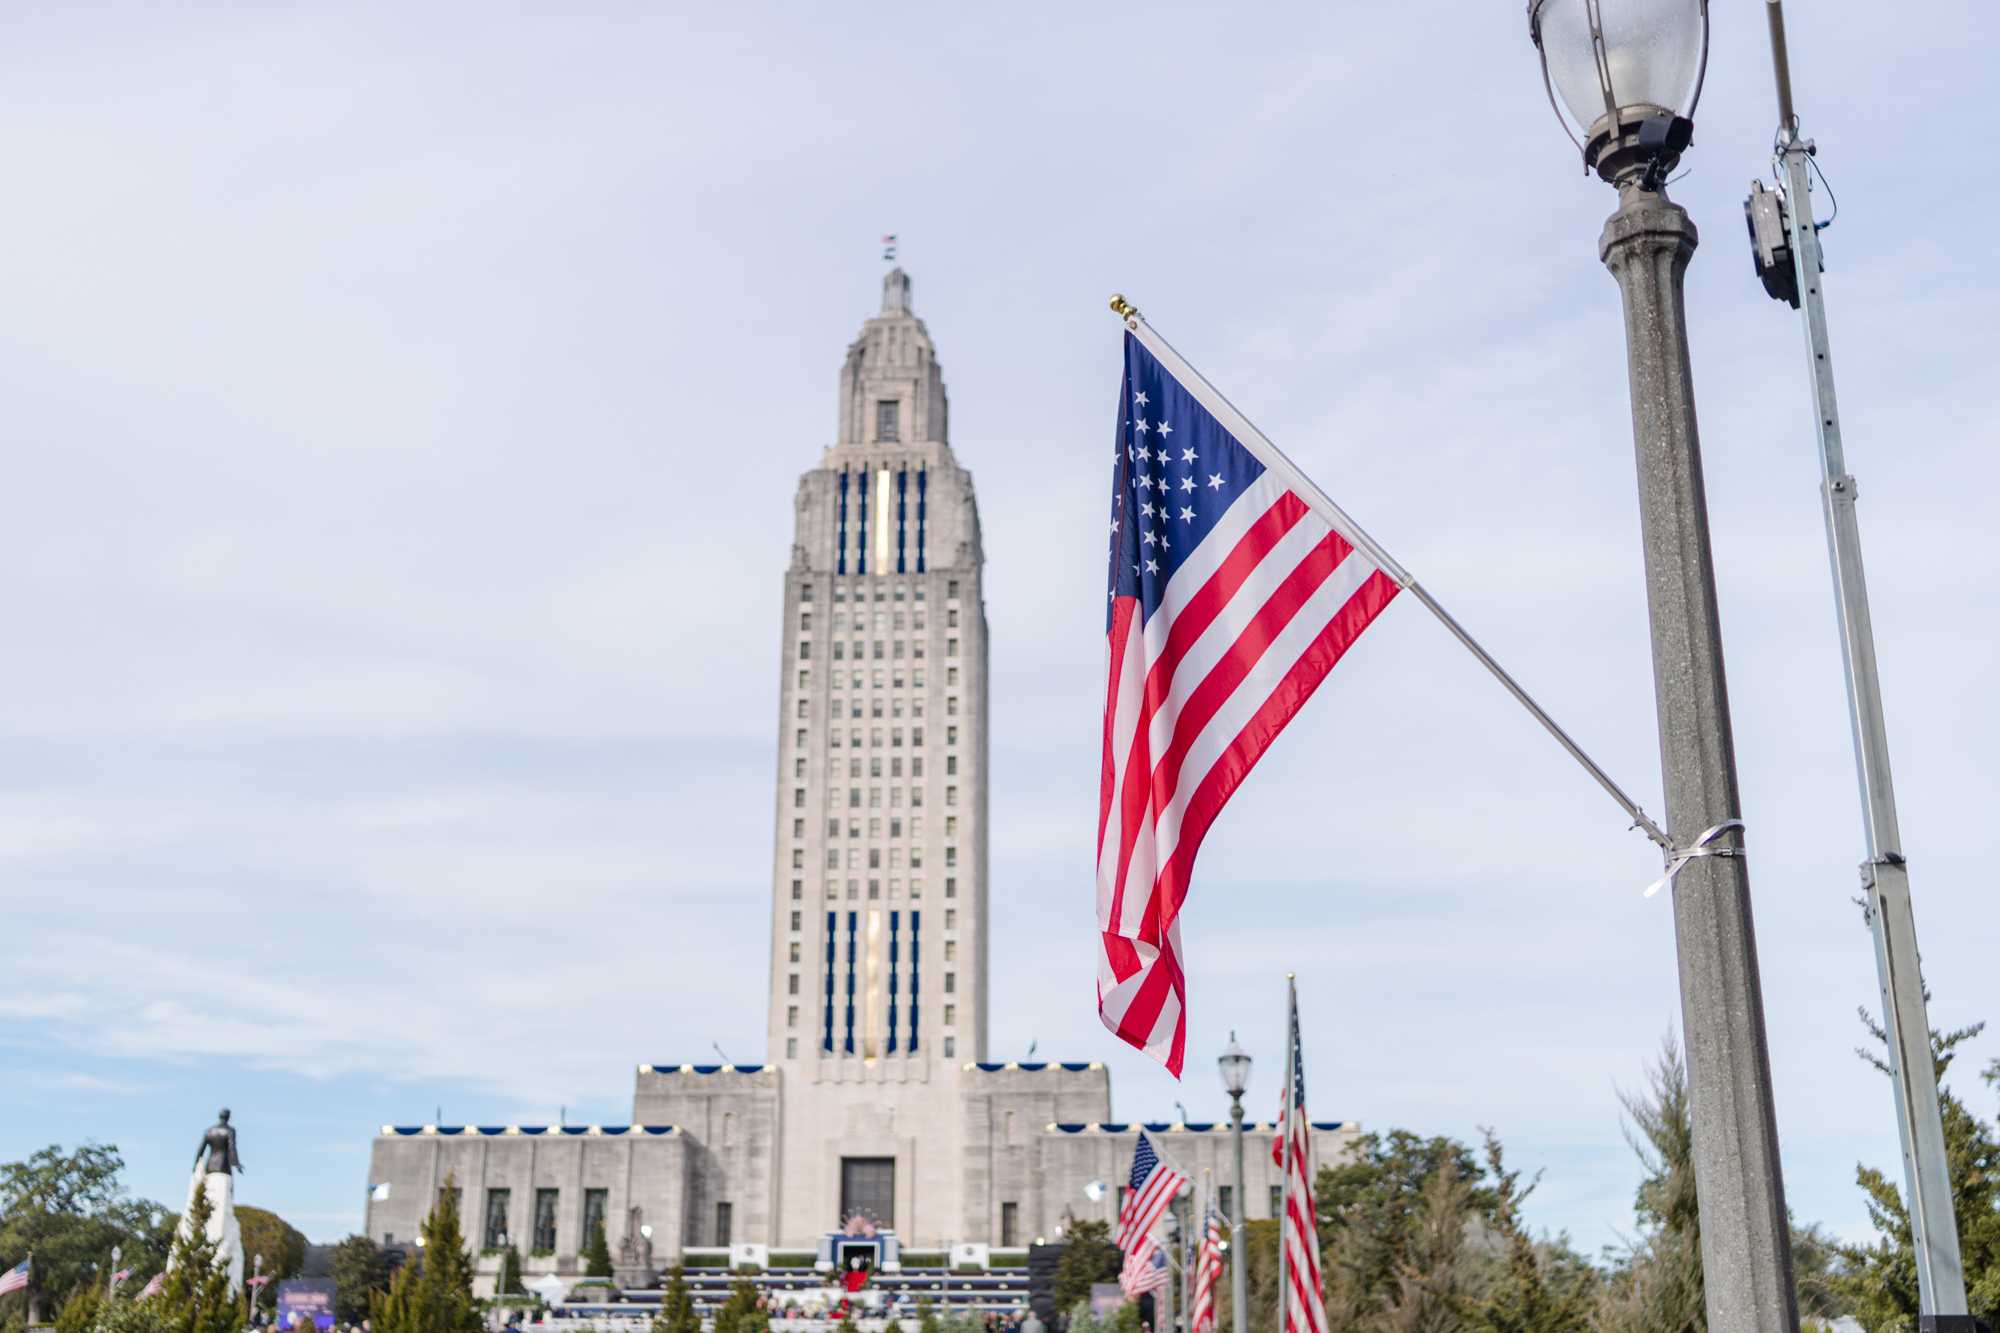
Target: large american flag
[1235,585]
[15,1278]
[1207,1274]
[1305,1303]
[1153,1185]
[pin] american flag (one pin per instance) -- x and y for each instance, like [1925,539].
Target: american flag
[15,1278]
[1305,1303]
[1145,1269]
[1153,1186]
[1235,585]
[1207,1274]
[153,1287]
[121,1275]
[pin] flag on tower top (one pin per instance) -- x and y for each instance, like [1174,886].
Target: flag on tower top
[1234,588]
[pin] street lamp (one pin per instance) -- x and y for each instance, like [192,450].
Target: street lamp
[1234,1064]
[1623,68]
[1629,71]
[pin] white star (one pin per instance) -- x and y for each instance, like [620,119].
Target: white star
[1152,566]
[1187,455]
[1144,456]
[1187,482]
[1186,515]
[1114,526]
[1165,545]
[1139,398]
[1215,481]
[1147,509]
[1141,426]
[1148,538]
[1135,569]
[1165,429]
[1145,481]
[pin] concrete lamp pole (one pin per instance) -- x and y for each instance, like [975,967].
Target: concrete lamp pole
[1624,68]
[1234,1063]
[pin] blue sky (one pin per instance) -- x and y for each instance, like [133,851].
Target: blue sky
[403,410]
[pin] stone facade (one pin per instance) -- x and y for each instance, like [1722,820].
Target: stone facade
[876,1092]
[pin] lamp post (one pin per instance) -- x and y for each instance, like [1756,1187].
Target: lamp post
[1234,1062]
[111,1286]
[1629,73]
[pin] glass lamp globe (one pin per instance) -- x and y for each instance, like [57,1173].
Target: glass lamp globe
[1234,1063]
[1628,73]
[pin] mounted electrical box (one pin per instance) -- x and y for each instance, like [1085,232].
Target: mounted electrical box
[1764,211]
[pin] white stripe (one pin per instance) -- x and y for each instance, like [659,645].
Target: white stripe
[1143,645]
[1255,689]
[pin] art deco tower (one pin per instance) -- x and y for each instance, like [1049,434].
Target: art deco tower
[878,941]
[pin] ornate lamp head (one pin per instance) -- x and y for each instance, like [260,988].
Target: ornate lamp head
[1628,73]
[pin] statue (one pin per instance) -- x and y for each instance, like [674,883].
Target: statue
[215,1168]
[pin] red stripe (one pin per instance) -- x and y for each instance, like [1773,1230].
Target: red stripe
[1135,1025]
[1121,631]
[1186,628]
[1234,764]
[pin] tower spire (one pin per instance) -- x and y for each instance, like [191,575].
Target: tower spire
[896,292]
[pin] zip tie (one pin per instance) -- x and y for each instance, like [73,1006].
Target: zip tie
[1703,846]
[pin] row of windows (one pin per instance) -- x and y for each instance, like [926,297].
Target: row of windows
[916,651]
[853,862]
[882,623]
[874,890]
[950,915]
[863,584]
[950,1047]
[875,796]
[542,1225]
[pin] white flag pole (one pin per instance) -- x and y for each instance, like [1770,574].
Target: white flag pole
[1274,458]
[1285,1141]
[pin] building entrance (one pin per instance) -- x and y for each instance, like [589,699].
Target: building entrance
[868,1187]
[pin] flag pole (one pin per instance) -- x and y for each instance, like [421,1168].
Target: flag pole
[1285,1140]
[1239,426]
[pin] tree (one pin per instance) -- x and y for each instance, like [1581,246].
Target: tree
[1656,1284]
[282,1245]
[741,1313]
[195,1297]
[508,1280]
[432,1293]
[69,1209]
[359,1272]
[79,1312]
[597,1253]
[1880,1280]
[1546,1287]
[677,1312]
[1088,1257]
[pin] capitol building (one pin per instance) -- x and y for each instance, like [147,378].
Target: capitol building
[876,1096]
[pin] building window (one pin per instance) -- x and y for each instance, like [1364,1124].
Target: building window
[791,1048]
[791,1016]
[805,650]
[806,621]
[798,858]
[1277,1200]
[805,679]
[793,987]
[496,1218]
[1010,1220]
[722,1218]
[951,983]
[802,708]
[806,593]
[950,853]
[798,890]
[545,1221]
[951,765]
[950,1014]
[951,951]
[951,588]
[798,828]
[799,767]
[950,1047]
[951,706]
[950,918]
[886,413]
[1226,1195]
[874,888]
[950,650]
[916,883]
[795,951]
[950,886]
[795,921]
[950,619]
[798,798]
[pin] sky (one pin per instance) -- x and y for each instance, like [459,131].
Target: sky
[403,406]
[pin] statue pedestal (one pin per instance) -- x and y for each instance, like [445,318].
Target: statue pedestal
[223,1231]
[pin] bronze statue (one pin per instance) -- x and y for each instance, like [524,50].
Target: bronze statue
[219,1142]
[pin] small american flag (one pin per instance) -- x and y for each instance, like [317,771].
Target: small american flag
[1145,1269]
[1153,1186]
[1291,1150]
[1235,585]
[15,1278]
[1207,1274]
[153,1287]
[121,1275]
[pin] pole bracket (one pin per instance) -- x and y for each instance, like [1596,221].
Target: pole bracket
[1704,845]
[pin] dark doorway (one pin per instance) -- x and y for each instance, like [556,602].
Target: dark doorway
[868,1187]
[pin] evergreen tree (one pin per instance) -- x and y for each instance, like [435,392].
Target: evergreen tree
[79,1313]
[741,1312]
[359,1273]
[1880,1281]
[433,1292]
[677,1312]
[195,1297]
[1088,1257]
[1656,1284]
[597,1253]
[927,1320]
[508,1280]
[1546,1288]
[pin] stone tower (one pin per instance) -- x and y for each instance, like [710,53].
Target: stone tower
[878,927]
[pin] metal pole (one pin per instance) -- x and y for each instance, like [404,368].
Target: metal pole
[111,1283]
[1926,1173]
[1285,1142]
[1745,1243]
[1239,1254]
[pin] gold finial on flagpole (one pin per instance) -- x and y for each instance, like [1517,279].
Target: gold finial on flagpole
[1123,308]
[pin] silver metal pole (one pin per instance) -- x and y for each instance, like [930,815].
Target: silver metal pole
[1745,1241]
[1285,1142]
[1239,1253]
[1926,1174]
